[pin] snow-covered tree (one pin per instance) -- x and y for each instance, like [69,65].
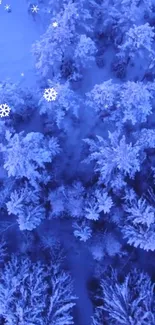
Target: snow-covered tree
[131,101]
[32,293]
[113,18]
[65,102]
[84,52]
[96,203]
[139,224]
[145,138]
[82,231]
[138,41]
[128,302]
[60,40]
[113,156]
[103,97]
[68,200]
[22,101]
[135,101]
[112,245]
[57,42]
[25,204]
[104,244]
[84,19]
[25,156]
[79,202]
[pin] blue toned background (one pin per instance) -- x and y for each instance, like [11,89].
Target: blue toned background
[77,162]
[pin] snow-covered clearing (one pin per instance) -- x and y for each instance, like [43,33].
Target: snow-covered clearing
[18,31]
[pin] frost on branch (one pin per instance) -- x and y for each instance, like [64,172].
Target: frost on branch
[21,287]
[97,319]
[130,301]
[31,293]
[23,156]
[3,250]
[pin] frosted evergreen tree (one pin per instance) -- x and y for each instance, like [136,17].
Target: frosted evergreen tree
[138,41]
[139,224]
[67,200]
[135,101]
[65,103]
[78,202]
[113,156]
[129,302]
[22,101]
[25,204]
[103,97]
[32,293]
[82,231]
[24,156]
[98,201]
[58,42]
[84,52]
[114,18]
[145,138]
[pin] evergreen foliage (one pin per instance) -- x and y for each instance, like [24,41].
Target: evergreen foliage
[32,293]
[23,156]
[113,156]
[128,302]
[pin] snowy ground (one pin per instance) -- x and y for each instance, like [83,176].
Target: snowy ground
[18,31]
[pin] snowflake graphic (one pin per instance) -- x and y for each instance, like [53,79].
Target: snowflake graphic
[4,110]
[35,9]
[50,94]
[7,8]
[55,24]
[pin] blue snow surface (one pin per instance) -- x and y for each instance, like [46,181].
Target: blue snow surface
[18,31]
[77,162]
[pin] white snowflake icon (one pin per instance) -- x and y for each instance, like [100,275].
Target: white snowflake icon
[7,8]
[50,94]
[35,9]
[55,24]
[4,110]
